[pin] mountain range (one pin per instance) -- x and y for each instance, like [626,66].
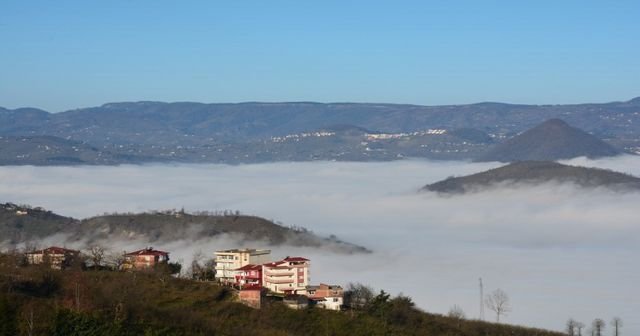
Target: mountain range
[133,132]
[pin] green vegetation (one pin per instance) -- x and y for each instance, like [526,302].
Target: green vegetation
[40,301]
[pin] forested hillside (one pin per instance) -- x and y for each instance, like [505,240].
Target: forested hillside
[40,301]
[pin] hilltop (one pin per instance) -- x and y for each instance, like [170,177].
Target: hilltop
[552,140]
[24,223]
[19,223]
[536,172]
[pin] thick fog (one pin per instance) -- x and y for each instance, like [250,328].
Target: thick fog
[559,251]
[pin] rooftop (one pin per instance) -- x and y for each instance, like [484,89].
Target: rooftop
[148,251]
[53,250]
[324,286]
[250,267]
[244,250]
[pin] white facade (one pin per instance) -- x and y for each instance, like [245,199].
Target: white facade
[326,296]
[228,261]
[290,275]
[331,303]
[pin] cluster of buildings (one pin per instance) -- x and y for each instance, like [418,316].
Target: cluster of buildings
[387,136]
[60,258]
[250,271]
[253,273]
[296,137]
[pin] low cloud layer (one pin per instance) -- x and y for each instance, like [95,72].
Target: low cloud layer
[557,250]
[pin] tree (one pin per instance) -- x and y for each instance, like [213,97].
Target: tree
[579,327]
[358,295]
[598,326]
[115,260]
[616,323]
[498,302]
[571,327]
[457,312]
[96,256]
[201,268]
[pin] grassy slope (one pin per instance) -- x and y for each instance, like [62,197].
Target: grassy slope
[113,303]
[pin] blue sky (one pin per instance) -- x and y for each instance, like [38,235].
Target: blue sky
[59,55]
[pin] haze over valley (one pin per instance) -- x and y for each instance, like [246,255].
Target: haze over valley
[374,168]
[550,246]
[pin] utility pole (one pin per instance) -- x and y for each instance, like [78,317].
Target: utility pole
[481,301]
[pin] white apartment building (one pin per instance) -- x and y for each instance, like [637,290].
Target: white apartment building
[228,261]
[288,276]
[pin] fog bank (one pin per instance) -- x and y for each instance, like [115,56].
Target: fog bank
[557,250]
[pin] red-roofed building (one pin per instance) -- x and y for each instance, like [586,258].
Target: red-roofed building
[144,259]
[248,275]
[288,276]
[228,261]
[57,257]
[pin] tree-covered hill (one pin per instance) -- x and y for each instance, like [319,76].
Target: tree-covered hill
[536,172]
[552,140]
[19,223]
[39,301]
[27,224]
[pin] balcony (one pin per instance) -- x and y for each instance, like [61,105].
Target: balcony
[279,274]
[281,281]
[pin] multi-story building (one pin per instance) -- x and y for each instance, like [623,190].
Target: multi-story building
[288,276]
[326,296]
[249,275]
[144,259]
[56,257]
[228,261]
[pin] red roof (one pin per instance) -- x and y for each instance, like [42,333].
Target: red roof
[250,267]
[285,260]
[54,250]
[148,251]
[274,264]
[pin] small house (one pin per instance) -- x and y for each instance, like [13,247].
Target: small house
[57,257]
[147,258]
[326,296]
[296,301]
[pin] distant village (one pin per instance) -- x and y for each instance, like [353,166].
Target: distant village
[251,273]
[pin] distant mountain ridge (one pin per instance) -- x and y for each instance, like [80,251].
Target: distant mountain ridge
[136,132]
[121,121]
[552,140]
[536,172]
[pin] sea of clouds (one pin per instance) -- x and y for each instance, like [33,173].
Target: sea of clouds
[559,251]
